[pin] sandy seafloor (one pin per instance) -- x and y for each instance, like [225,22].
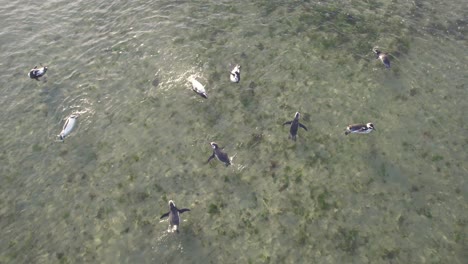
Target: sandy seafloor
[396,195]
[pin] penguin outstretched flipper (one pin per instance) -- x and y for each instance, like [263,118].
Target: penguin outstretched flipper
[164,215]
[183,210]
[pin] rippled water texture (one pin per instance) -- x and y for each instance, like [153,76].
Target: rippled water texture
[396,195]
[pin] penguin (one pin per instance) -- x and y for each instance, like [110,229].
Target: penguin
[68,127]
[36,73]
[382,57]
[235,74]
[219,154]
[198,87]
[174,216]
[360,128]
[295,124]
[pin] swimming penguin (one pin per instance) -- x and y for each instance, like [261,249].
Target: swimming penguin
[235,74]
[36,73]
[198,87]
[174,216]
[360,128]
[68,127]
[219,154]
[294,126]
[382,57]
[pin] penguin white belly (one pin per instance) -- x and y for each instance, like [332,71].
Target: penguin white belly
[234,78]
[235,74]
[198,87]
[40,72]
[68,127]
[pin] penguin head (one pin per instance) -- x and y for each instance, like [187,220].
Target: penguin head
[297,115]
[171,204]
[214,145]
[370,126]
[376,50]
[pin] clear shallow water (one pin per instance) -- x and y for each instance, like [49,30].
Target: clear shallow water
[397,195]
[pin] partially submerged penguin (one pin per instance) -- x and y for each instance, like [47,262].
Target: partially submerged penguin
[383,57]
[295,124]
[36,73]
[235,74]
[360,128]
[174,216]
[219,154]
[198,87]
[68,127]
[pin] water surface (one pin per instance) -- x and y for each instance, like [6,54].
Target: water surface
[397,195]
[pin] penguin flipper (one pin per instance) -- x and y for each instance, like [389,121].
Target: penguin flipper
[287,123]
[164,215]
[183,210]
[211,157]
[304,127]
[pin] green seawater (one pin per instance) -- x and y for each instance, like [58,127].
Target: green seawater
[396,195]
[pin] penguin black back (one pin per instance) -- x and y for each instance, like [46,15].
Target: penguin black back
[295,124]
